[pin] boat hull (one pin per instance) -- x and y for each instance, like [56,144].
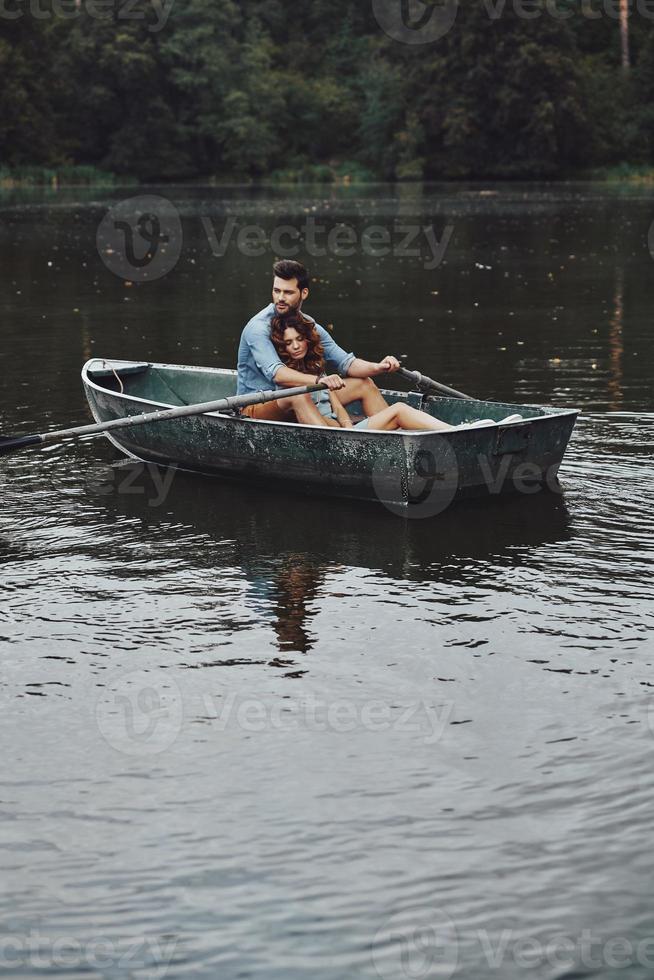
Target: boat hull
[406,471]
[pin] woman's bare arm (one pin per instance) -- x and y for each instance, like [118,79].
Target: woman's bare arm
[341,414]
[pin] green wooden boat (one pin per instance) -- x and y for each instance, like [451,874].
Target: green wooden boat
[421,472]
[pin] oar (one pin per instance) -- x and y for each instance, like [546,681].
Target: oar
[422,380]
[13,444]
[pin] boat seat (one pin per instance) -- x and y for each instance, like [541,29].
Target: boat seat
[107,371]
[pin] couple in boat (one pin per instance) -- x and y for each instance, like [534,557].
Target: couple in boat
[283,347]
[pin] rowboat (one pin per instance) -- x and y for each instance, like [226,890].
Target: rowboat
[416,472]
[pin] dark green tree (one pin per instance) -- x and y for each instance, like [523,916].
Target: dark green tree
[241,88]
[200,51]
[27,128]
[502,97]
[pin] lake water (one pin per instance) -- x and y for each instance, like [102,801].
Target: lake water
[263,735]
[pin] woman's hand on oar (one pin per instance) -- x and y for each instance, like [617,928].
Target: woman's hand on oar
[14,443]
[422,381]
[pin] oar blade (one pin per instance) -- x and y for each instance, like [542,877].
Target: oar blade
[14,443]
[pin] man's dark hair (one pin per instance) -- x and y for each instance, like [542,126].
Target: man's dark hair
[289,269]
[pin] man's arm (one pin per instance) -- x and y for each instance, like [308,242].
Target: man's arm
[351,366]
[358,368]
[287,377]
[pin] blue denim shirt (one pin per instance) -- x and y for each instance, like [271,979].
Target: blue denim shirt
[258,360]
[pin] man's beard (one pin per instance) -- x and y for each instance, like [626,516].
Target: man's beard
[288,308]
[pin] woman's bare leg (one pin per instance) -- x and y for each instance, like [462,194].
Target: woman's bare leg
[401,416]
[305,410]
[364,390]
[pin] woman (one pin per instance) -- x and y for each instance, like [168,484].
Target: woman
[298,345]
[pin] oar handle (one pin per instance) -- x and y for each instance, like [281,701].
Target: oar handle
[422,381]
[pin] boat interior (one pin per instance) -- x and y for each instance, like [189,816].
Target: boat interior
[181,385]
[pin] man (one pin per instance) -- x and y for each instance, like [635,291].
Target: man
[259,366]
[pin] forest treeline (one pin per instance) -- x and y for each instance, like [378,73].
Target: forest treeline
[219,88]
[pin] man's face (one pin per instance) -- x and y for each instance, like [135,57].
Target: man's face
[286,295]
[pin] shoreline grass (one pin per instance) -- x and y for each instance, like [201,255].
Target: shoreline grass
[641,173]
[53,177]
[346,173]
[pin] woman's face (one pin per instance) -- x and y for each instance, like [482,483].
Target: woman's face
[295,344]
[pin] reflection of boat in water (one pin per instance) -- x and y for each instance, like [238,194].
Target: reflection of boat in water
[286,544]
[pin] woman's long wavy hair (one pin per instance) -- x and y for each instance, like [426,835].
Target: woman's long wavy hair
[314,360]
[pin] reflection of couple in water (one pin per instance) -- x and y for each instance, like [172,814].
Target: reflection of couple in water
[297,584]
